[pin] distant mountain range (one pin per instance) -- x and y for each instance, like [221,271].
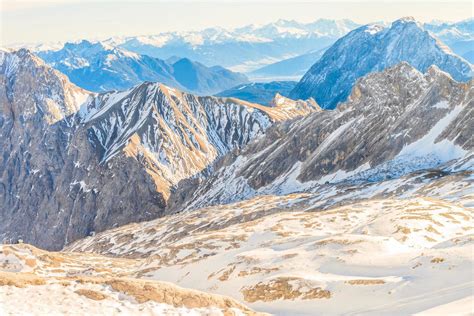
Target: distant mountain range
[373,48]
[259,92]
[459,36]
[242,49]
[100,67]
[283,50]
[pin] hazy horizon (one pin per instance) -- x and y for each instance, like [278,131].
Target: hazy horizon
[30,22]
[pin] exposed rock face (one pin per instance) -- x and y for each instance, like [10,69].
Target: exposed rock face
[175,135]
[373,48]
[69,169]
[395,122]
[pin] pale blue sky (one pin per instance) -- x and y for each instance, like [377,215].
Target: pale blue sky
[31,21]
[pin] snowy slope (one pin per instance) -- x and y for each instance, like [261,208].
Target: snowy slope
[373,48]
[366,209]
[81,284]
[397,247]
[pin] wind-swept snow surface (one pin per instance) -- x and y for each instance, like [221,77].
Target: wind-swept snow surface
[36,282]
[398,247]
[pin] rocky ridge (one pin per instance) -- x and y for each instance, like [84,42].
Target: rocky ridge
[58,283]
[395,122]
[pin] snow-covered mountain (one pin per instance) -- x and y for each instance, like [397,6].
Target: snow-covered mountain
[289,208]
[242,49]
[76,162]
[259,92]
[100,67]
[374,48]
[395,122]
[459,37]
[175,135]
[355,210]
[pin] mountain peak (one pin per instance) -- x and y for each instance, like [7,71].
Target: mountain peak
[116,68]
[87,46]
[48,95]
[331,79]
[407,23]
[183,60]
[396,121]
[406,19]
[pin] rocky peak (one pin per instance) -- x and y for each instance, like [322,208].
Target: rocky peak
[434,72]
[113,161]
[390,82]
[34,89]
[175,134]
[285,104]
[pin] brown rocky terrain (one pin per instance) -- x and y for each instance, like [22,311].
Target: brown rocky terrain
[91,278]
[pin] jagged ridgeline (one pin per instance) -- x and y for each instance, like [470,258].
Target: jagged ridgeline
[395,122]
[75,162]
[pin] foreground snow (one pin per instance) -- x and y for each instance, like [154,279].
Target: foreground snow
[81,284]
[407,253]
